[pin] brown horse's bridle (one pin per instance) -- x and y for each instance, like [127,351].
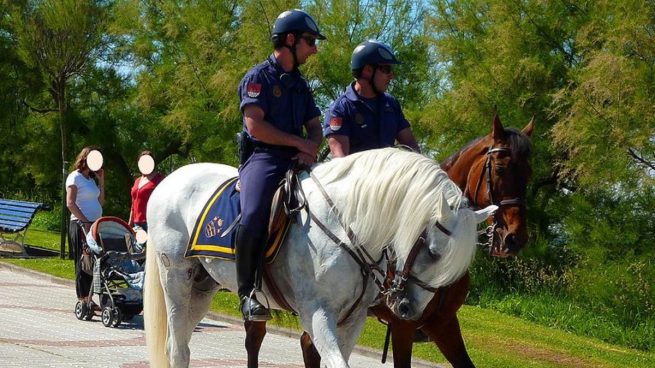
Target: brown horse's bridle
[490,231]
[390,283]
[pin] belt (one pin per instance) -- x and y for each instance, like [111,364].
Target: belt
[265,147]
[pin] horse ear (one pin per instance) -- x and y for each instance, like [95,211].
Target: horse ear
[483,214]
[497,131]
[446,212]
[529,128]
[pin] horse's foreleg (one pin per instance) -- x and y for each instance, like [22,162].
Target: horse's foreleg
[322,326]
[349,331]
[255,332]
[448,338]
[178,283]
[402,339]
[309,353]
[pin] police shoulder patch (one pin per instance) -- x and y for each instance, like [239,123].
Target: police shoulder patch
[335,123]
[254,89]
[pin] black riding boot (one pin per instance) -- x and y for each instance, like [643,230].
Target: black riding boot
[249,267]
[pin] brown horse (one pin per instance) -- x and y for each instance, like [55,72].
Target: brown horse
[493,169]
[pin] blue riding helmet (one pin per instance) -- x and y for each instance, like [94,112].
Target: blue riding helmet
[372,52]
[295,20]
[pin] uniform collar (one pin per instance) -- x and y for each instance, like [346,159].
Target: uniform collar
[275,64]
[352,94]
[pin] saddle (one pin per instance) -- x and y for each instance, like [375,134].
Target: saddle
[212,235]
[289,199]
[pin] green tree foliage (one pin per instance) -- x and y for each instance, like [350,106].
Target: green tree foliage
[58,38]
[607,105]
[163,75]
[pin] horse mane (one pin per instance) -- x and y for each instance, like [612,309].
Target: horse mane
[389,195]
[519,143]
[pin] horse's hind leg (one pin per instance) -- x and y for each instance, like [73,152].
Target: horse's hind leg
[204,289]
[309,353]
[255,332]
[176,276]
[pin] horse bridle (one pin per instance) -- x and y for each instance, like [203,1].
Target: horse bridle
[490,231]
[391,284]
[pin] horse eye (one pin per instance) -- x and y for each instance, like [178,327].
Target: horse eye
[500,170]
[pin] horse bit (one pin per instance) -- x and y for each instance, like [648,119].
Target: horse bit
[490,231]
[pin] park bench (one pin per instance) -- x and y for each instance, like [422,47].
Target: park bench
[15,218]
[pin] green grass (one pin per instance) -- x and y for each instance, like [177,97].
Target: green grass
[43,239]
[562,313]
[493,339]
[63,268]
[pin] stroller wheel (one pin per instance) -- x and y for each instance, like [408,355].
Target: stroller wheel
[118,317]
[105,301]
[107,317]
[81,310]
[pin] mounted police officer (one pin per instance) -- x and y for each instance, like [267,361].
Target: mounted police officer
[365,117]
[276,104]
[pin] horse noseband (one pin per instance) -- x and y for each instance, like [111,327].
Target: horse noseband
[395,282]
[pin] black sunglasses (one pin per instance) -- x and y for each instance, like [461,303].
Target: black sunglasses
[386,69]
[311,41]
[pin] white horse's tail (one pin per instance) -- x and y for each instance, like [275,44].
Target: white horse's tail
[154,311]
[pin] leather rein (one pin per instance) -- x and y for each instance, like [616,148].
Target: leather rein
[389,283]
[490,231]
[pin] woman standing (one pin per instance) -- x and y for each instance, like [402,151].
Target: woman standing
[85,195]
[142,189]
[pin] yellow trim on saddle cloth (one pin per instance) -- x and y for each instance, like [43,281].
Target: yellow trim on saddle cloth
[198,227]
[274,242]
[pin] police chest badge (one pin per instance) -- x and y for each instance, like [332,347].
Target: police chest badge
[254,89]
[277,92]
[359,118]
[335,123]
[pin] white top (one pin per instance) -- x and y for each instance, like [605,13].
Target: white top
[87,195]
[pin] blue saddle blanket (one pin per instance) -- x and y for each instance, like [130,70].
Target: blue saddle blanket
[209,237]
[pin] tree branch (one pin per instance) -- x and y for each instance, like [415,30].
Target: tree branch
[640,159]
[36,109]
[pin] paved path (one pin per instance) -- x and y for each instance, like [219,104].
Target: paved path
[38,329]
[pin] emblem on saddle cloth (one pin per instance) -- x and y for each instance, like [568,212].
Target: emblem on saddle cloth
[213,233]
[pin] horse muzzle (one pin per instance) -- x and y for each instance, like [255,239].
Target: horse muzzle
[402,308]
[505,244]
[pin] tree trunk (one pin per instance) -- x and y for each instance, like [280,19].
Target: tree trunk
[59,85]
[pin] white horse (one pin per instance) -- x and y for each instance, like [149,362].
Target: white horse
[389,198]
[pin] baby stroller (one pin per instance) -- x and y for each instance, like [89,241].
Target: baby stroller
[118,272]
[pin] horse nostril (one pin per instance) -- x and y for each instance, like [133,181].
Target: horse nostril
[404,309]
[511,243]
